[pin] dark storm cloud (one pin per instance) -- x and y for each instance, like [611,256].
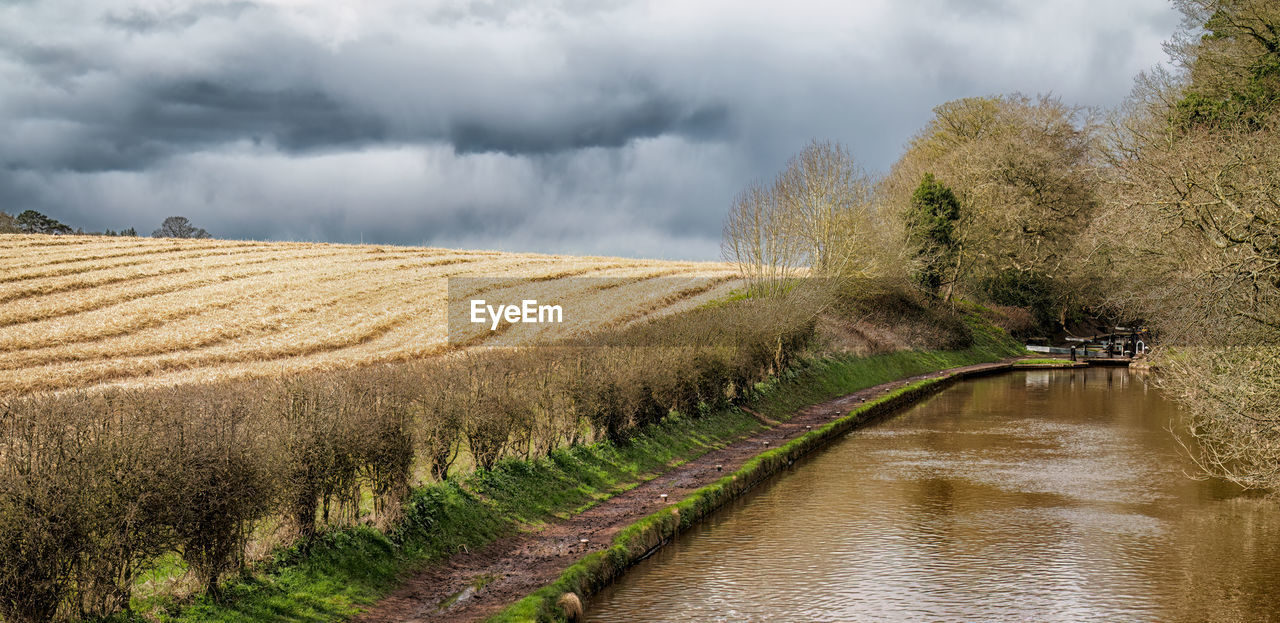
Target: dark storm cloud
[164,120]
[203,112]
[605,128]
[621,127]
[54,64]
[296,95]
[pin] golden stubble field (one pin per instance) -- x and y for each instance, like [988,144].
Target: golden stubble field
[87,311]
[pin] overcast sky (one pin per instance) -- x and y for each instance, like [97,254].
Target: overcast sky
[584,126]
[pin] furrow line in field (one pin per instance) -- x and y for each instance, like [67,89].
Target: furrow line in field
[35,302]
[64,375]
[201,332]
[190,302]
[165,256]
[74,283]
[673,299]
[41,308]
[35,254]
[102,261]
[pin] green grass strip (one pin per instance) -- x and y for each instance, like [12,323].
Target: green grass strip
[345,570]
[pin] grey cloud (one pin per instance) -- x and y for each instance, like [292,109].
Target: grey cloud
[987,9]
[206,112]
[285,94]
[54,64]
[597,128]
[139,20]
[579,126]
[175,118]
[502,12]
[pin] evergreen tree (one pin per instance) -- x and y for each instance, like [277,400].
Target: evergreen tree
[32,222]
[931,229]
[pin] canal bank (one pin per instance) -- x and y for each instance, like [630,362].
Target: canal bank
[540,512]
[777,448]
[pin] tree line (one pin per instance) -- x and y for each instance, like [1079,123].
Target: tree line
[1163,212]
[33,222]
[990,201]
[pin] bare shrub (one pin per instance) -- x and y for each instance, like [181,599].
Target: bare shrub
[491,407]
[80,503]
[379,414]
[442,410]
[43,499]
[552,417]
[597,395]
[223,481]
[131,452]
[319,470]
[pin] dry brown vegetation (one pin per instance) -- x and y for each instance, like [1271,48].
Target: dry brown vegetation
[96,484]
[82,311]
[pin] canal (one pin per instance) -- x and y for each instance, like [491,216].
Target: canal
[1048,495]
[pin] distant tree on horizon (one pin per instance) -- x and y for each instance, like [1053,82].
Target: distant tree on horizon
[179,227]
[32,222]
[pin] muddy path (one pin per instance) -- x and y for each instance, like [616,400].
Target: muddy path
[516,565]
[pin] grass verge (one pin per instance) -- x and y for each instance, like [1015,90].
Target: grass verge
[344,570]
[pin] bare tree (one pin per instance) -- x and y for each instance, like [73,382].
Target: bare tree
[759,238]
[819,214]
[829,202]
[1192,231]
[179,227]
[1195,212]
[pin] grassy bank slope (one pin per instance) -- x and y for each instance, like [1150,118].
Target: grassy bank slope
[350,568]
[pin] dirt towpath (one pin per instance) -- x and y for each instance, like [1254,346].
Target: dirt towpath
[524,562]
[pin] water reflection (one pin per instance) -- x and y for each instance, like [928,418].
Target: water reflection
[1039,495]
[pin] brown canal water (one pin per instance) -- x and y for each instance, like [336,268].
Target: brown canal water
[1044,495]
